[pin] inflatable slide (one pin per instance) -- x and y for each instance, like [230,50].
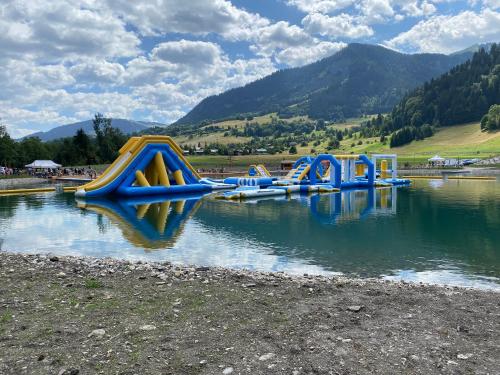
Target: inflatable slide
[147,165]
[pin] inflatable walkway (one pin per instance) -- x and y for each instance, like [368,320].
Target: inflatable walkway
[147,165]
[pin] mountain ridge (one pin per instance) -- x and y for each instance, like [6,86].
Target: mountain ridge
[359,79]
[69,130]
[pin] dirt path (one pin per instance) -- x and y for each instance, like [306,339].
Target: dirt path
[88,316]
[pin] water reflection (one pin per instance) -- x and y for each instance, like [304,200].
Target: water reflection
[152,223]
[445,234]
[354,205]
[157,223]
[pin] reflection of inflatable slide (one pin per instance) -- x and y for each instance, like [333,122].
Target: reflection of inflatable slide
[150,223]
[147,165]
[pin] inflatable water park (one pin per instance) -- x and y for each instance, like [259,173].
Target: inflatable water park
[155,165]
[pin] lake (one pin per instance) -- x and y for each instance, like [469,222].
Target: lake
[436,231]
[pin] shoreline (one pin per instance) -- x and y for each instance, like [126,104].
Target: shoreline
[79,315]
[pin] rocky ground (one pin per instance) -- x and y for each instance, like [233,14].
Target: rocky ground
[63,315]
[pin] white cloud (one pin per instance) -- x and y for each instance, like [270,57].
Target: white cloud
[449,33]
[59,30]
[341,26]
[97,72]
[191,54]
[279,36]
[418,9]
[18,120]
[369,11]
[302,55]
[375,10]
[492,4]
[321,6]
[198,17]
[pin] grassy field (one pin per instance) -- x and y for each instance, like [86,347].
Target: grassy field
[462,141]
[218,136]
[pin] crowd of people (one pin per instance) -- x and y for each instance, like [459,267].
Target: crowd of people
[5,171]
[88,172]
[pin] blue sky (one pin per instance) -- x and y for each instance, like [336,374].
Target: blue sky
[64,60]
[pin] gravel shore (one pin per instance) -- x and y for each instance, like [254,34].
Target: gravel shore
[66,315]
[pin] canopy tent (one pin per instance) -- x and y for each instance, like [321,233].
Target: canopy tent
[437,159]
[43,164]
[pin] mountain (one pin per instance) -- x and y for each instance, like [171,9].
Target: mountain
[464,94]
[474,48]
[359,79]
[69,130]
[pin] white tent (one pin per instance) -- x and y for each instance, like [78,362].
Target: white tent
[436,159]
[43,164]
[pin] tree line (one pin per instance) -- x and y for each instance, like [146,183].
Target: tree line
[464,94]
[80,149]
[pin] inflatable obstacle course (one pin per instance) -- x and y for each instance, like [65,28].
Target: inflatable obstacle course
[147,165]
[155,166]
[388,175]
[249,192]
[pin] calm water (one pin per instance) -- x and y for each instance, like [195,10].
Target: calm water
[445,232]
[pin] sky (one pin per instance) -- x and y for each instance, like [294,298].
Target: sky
[64,60]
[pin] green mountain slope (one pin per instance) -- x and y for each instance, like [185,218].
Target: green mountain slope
[464,94]
[360,79]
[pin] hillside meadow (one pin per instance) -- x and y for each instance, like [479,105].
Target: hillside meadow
[461,141]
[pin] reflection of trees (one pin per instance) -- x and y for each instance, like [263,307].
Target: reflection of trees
[8,205]
[33,202]
[437,216]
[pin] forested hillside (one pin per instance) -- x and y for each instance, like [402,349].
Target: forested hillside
[464,94]
[360,79]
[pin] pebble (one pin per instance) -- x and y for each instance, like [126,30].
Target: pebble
[228,370]
[354,308]
[464,356]
[70,371]
[147,327]
[97,333]
[61,274]
[266,357]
